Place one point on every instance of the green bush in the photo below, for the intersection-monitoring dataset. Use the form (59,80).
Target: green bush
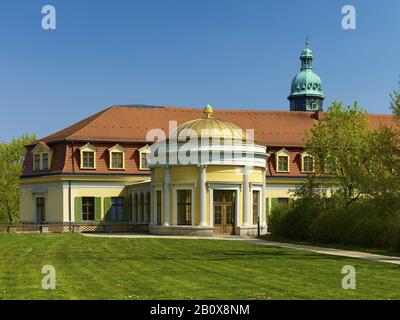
(291,222)
(362,224)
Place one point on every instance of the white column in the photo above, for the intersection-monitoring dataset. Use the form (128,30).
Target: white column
(246,195)
(202,190)
(153,218)
(166,197)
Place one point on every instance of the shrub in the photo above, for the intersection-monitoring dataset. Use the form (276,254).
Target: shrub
(292,222)
(361,224)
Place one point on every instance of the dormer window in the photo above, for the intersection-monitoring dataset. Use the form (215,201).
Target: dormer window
(143,158)
(283,161)
(88,156)
(329,165)
(36,164)
(307,163)
(45,161)
(42,155)
(117,157)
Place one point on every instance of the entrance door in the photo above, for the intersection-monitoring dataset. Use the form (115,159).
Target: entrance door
(224,211)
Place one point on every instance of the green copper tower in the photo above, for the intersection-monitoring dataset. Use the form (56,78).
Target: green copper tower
(306,91)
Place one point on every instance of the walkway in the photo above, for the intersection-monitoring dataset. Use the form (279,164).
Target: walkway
(322,250)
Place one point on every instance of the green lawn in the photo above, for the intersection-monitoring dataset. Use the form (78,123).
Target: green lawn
(381,251)
(105,268)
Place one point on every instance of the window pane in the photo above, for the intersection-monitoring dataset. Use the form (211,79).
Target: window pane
(117,160)
(88,209)
(37,162)
(184,199)
(283,163)
(45,161)
(141,208)
(283,201)
(159,207)
(117,209)
(144,163)
(308,163)
(88,159)
(218,215)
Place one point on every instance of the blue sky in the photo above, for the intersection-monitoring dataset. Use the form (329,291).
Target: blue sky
(230,53)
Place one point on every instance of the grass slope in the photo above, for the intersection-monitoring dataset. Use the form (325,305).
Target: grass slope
(104,268)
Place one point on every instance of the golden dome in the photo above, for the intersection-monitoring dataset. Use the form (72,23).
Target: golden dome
(210,127)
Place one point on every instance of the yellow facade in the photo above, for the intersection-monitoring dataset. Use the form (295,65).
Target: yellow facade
(59,194)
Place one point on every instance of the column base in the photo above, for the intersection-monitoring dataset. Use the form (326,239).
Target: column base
(250,231)
(182,230)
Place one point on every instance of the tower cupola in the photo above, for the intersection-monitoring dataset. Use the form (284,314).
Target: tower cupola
(306,91)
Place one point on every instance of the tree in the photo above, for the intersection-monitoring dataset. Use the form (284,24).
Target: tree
(382,181)
(338,144)
(395,102)
(12,157)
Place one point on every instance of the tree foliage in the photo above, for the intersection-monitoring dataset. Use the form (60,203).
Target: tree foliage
(338,144)
(12,155)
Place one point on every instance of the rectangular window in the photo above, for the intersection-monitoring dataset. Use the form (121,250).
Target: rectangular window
(283,201)
(256,206)
(87,209)
(130,207)
(40,210)
(283,163)
(117,160)
(117,209)
(144,165)
(159,207)
(184,205)
(45,161)
(308,164)
(36,165)
(329,165)
(88,159)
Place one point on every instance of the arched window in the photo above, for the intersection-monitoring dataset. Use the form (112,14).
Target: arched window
(141,208)
(148,207)
(135,208)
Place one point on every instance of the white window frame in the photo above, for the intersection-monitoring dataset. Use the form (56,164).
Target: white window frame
(145,150)
(87,148)
(116,149)
(175,189)
(41,149)
(282,153)
(304,155)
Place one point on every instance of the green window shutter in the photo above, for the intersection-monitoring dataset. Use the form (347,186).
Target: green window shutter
(267,206)
(107,209)
(78,209)
(274,203)
(97,209)
(126,209)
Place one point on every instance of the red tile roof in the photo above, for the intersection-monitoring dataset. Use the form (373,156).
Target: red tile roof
(131,123)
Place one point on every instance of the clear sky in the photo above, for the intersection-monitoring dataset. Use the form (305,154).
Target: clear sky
(233,54)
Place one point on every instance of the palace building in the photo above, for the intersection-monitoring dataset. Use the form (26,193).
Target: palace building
(97,175)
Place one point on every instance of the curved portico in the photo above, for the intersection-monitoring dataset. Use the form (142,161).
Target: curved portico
(208,178)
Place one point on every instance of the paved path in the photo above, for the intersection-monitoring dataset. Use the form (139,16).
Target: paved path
(322,250)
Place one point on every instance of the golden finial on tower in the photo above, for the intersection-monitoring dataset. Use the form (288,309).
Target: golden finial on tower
(208,111)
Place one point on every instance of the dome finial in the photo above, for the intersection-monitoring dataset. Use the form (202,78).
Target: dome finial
(307,42)
(208,111)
